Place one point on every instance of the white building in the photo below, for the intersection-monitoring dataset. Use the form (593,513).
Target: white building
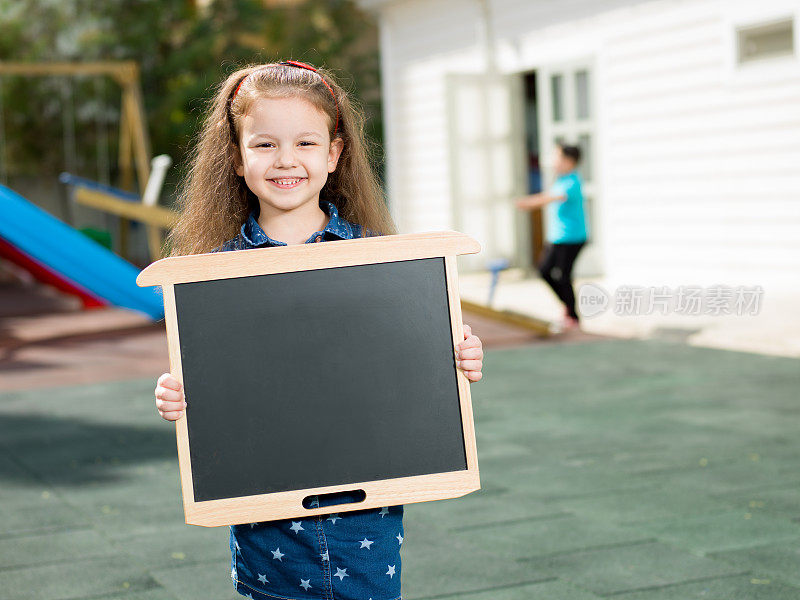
(688,113)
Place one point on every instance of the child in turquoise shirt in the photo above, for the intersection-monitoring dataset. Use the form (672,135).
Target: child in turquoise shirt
(566,228)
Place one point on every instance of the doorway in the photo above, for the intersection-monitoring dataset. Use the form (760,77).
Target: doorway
(534,170)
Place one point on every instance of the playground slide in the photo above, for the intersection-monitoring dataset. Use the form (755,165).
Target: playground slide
(61,256)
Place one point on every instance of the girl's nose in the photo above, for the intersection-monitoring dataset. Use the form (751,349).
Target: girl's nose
(285,156)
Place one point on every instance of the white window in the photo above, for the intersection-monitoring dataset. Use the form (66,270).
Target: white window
(766,40)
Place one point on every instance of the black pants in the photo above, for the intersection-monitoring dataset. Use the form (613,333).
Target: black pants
(556,270)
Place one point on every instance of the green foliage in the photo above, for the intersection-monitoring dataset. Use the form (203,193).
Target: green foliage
(183,50)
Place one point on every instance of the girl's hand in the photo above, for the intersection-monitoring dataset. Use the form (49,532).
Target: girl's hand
(469,355)
(169,397)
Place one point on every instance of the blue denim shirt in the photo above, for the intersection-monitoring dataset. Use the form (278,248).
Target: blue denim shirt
(347,556)
(252,236)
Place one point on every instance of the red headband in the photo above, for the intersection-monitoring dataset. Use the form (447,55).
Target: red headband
(301,65)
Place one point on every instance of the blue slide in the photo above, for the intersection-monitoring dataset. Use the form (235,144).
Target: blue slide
(73,256)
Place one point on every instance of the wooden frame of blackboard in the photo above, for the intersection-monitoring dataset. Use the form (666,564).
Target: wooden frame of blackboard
(302,257)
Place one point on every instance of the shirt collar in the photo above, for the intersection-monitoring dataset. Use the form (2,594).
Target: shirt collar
(337,228)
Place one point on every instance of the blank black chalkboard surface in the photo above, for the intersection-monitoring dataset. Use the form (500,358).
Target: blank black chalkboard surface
(316,369)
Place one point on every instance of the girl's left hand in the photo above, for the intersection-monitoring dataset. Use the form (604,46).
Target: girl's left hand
(469,355)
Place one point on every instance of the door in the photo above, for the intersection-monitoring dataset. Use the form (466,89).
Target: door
(567,113)
(487,164)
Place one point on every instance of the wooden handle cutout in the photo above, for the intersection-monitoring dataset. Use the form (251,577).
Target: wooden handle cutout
(361,495)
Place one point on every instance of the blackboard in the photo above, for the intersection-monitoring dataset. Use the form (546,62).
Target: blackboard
(317,380)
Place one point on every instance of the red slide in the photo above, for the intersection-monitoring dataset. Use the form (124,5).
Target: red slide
(48,276)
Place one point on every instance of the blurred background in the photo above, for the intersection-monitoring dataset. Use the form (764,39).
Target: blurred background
(649,454)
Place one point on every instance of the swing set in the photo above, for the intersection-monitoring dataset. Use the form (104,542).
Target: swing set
(134,151)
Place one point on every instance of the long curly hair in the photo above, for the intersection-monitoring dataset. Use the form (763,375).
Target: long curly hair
(214,202)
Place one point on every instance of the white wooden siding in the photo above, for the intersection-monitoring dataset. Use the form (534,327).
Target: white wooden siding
(701,170)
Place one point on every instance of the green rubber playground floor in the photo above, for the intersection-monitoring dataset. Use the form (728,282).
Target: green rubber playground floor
(642,470)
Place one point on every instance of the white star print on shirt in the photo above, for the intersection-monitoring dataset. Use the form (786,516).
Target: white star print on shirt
(341,573)
(399,539)
(324,555)
(304,583)
(334,517)
(277,554)
(296,526)
(390,572)
(365,543)
(262,578)
(384,511)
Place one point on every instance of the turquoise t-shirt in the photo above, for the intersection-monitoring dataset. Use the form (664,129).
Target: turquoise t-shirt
(566,220)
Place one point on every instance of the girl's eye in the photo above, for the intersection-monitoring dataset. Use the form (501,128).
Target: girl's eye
(262,144)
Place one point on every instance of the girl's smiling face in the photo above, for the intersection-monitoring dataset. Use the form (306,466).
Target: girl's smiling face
(286,153)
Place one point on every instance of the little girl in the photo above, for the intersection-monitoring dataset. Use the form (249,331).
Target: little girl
(282,159)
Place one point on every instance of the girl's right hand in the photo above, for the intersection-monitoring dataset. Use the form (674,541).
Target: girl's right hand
(169,397)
